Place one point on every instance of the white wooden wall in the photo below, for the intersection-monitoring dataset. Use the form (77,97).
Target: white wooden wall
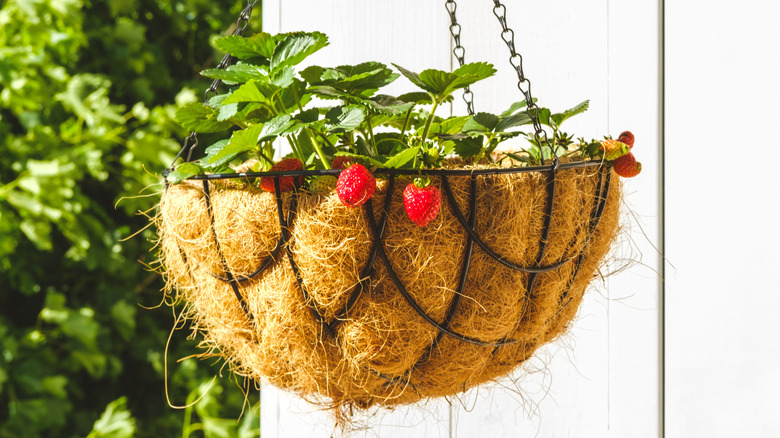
(695,81)
(722,216)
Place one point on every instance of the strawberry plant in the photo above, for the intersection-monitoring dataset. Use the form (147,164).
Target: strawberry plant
(332,116)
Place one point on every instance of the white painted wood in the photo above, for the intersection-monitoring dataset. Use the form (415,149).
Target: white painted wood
(602,379)
(722,237)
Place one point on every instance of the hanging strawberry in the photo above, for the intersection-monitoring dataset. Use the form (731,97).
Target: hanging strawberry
(627,166)
(355,185)
(422,201)
(286,183)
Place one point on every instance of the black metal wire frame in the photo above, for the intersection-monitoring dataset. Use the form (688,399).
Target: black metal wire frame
(378,247)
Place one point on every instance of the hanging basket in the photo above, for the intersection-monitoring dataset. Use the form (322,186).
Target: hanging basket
(363,307)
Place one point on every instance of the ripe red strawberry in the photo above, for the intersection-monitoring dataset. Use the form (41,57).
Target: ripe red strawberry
(627,166)
(628,138)
(422,204)
(355,185)
(613,149)
(286,183)
(341,162)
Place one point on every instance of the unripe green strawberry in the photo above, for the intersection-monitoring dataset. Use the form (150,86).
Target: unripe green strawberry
(286,183)
(627,166)
(422,204)
(628,138)
(614,149)
(355,185)
(322,185)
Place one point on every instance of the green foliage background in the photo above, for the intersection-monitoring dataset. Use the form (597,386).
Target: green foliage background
(87,95)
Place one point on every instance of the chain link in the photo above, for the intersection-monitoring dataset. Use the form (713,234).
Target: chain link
(459,52)
(523,84)
(191,142)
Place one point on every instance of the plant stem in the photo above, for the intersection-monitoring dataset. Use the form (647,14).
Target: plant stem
(371,131)
(317,148)
(295,148)
(430,119)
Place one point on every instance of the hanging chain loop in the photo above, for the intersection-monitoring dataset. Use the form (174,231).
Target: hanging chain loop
(459,52)
(523,83)
(191,142)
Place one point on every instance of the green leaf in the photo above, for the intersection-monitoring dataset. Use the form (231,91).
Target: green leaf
(469,147)
(184,171)
(200,118)
(389,105)
(412,76)
(442,84)
(362,79)
(518,119)
(403,157)
(252,91)
(481,122)
(514,107)
(123,313)
(344,118)
(328,92)
(115,422)
(577,109)
(275,127)
(237,73)
(209,160)
(259,45)
(361,159)
(241,141)
(295,47)
(283,77)
(226,112)
(310,115)
(417,97)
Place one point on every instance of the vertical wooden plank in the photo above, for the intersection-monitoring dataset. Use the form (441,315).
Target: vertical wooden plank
(723,338)
(634,295)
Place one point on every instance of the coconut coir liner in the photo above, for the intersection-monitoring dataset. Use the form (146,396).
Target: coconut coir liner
(384,352)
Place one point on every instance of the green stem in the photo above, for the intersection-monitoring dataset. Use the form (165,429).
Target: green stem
(317,148)
(372,142)
(295,148)
(430,119)
(406,122)
(325,139)
(264,156)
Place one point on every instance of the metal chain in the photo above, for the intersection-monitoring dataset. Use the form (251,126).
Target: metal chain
(459,51)
(523,84)
(191,142)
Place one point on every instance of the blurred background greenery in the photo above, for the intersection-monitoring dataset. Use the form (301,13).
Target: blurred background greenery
(87,94)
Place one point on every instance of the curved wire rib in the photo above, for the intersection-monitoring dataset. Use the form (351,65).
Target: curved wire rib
(602,191)
(551,179)
(285,232)
(364,277)
(467,253)
(478,240)
(414,305)
(223,261)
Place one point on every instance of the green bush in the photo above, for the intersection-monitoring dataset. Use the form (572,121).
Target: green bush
(87,95)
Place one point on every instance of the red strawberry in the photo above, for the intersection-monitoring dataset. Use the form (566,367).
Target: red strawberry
(627,166)
(355,185)
(286,183)
(628,138)
(613,149)
(341,162)
(422,203)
